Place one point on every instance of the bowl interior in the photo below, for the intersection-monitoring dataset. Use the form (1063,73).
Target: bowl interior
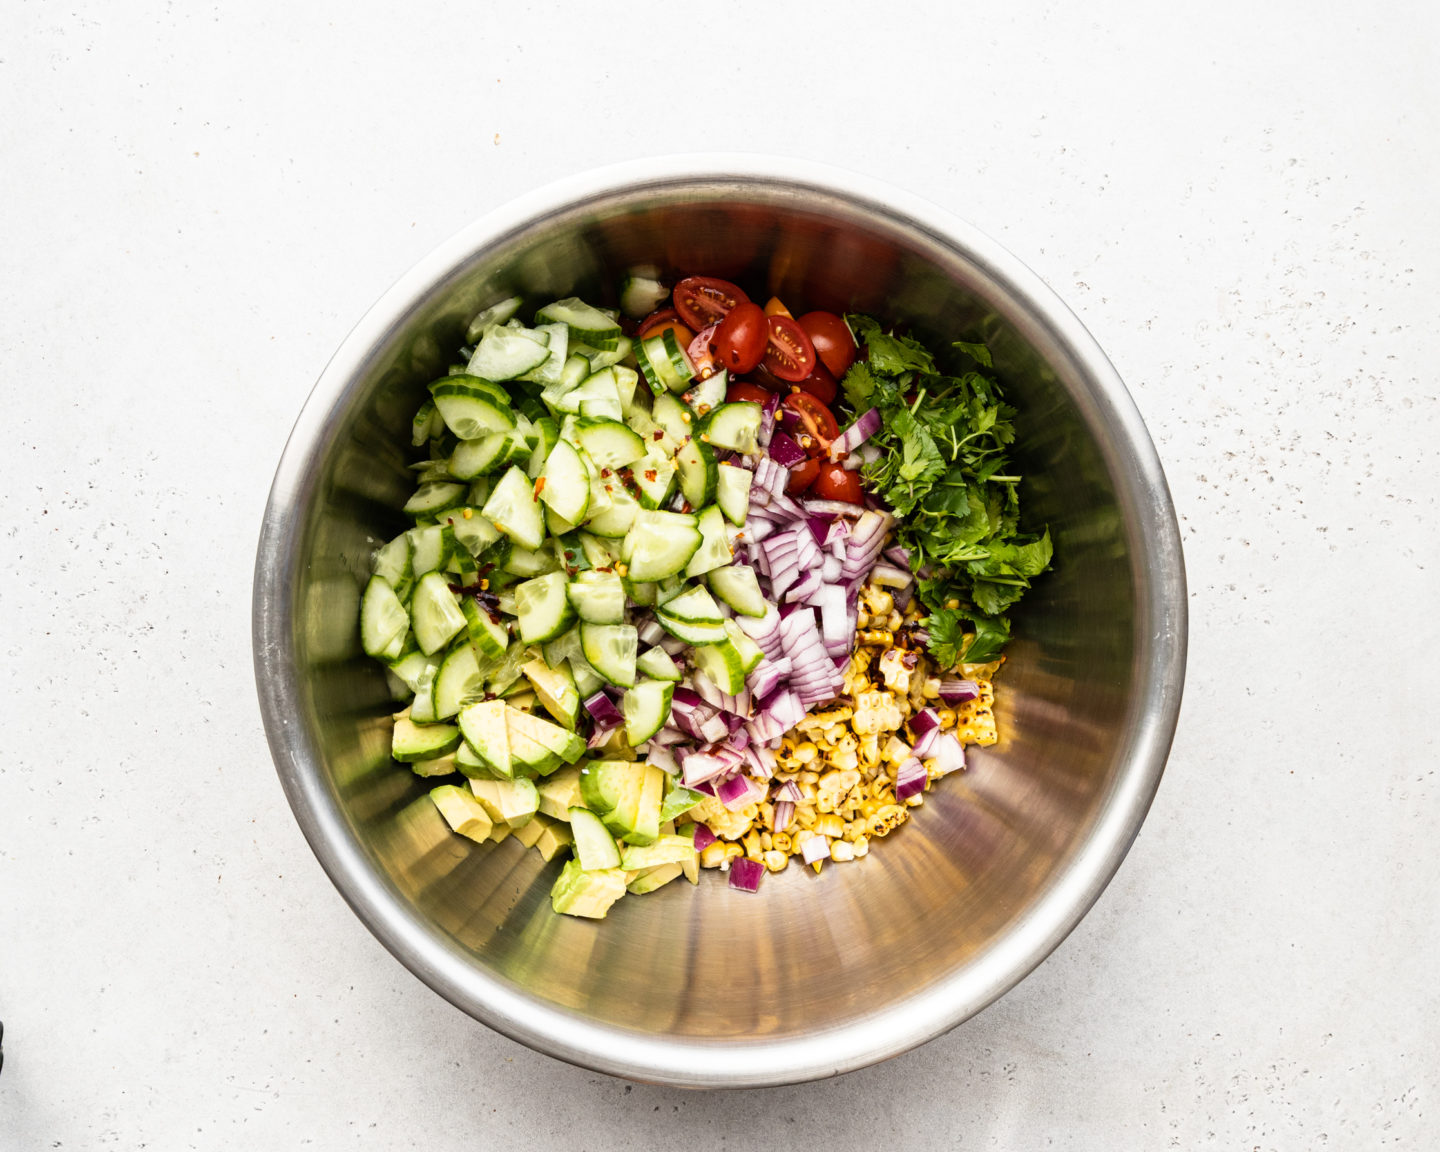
(816,973)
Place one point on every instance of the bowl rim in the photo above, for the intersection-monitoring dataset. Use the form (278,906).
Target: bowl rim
(1161,631)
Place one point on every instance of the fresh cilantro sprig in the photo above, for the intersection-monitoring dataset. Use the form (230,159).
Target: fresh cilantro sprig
(943,468)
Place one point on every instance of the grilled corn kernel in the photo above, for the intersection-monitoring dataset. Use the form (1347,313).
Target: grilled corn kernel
(831,826)
(780,842)
(776,861)
(713,854)
(840,851)
(751,841)
(885,821)
(766,841)
(809,776)
(877,637)
(805,819)
(806,752)
(733,850)
(947,717)
(861,846)
(916,800)
(931,688)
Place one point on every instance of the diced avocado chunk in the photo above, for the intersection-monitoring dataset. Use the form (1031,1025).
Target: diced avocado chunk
(530,832)
(603,783)
(646,825)
(568,746)
(465,814)
(679,799)
(560,793)
(554,839)
(650,879)
(669,849)
(594,846)
(513,801)
(590,894)
(485,729)
(555,689)
(410,742)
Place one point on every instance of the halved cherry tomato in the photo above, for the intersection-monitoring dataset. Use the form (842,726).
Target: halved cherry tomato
(831,337)
(740,390)
(655,319)
(789,354)
(816,422)
(801,477)
(703,300)
(773,307)
(836,483)
(683,335)
(820,384)
(740,339)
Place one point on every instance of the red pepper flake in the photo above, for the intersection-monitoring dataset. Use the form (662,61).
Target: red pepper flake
(605,473)
(658,434)
(650,474)
(539,485)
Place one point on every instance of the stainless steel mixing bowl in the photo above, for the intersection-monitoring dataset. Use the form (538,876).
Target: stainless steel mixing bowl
(815,975)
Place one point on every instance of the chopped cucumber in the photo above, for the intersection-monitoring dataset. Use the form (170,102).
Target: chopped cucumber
(459,681)
(704,396)
(723,663)
(694,606)
(611,650)
(472,412)
(433,498)
(384,623)
(487,318)
(548,432)
(714,551)
(698,472)
(642,291)
(657,664)
(646,708)
(564,484)
(659,544)
(598,597)
(655,478)
(751,654)
(507,354)
(435,613)
(595,848)
(609,443)
(671,416)
(619,518)
(738,586)
(664,363)
(734,427)
(392,560)
(490,636)
(689,631)
(587,325)
(542,608)
(732,492)
(429,549)
(514,509)
(552,367)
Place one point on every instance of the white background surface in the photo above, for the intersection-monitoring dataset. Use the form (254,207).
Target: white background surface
(200,199)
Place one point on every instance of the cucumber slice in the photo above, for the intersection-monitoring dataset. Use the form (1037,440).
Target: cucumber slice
(664,363)
(657,664)
(515,511)
(466,383)
(672,417)
(507,672)
(552,367)
(704,396)
(750,652)
(655,478)
(384,623)
(523,562)
(548,431)
(435,613)
(432,499)
(487,318)
(642,291)
(617,519)
(471,412)
(597,597)
(392,560)
(699,473)
(646,707)
(555,689)
(507,354)
(542,608)
(598,388)
(587,325)
(734,427)
(564,485)
(659,544)
(738,586)
(414,667)
(714,551)
(474,458)
(694,606)
(429,549)
(609,443)
(420,427)
(609,357)
(472,531)
(690,632)
(490,637)
(557,525)
(485,731)
(723,663)
(595,848)
(599,552)
(411,741)
(732,492)
(458,682)
(611,649)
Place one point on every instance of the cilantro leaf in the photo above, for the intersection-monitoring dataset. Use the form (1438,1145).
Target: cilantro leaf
(947,636)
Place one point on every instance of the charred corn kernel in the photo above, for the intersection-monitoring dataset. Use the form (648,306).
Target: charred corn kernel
(780,842)
(713,854)
(885,821)
(776,861)
(947,717)
(877,637)
(916,800)
(831,826)
(751,841)
(467,513)
(896,750)
(932,768)
(931,688)
(893,621)
(733,850)
(868,808)
(862,619)
(861,846)
(809,776)
(854,828)
(805,819)
(766,841)
(840,851)
(806,752)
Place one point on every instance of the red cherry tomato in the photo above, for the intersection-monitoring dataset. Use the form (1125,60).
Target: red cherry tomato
(654,320)
(833,343)
(816,422)
(789,354)
(741,391)
(801,477)
(836,483)
(740,339)
(820,384)
(703,300)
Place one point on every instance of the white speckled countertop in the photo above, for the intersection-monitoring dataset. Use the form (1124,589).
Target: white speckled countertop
(199,201)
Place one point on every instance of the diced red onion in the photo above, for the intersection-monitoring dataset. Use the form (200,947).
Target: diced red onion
(816,848)
(701,767)
(673,645)
(668,738)
(865,426)
(784,813)
(830,509)
(651,633)
(959,691)
(703,837)
(910,779)
(734,793)
(830,569)
(789,791)
(662,758)
(948,754)
(805,587)
(714,729)
(926,720)
(745,874)
(603,711)
(898,556)
(784,451)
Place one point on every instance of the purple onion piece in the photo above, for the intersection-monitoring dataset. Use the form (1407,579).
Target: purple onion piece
(958,691)
(745,874)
